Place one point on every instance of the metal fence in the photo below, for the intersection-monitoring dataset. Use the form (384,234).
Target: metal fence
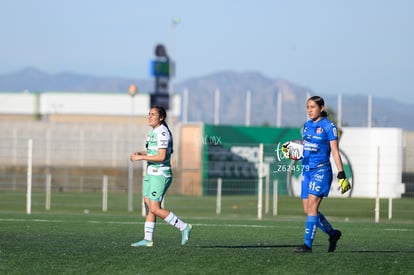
(78,152)
(76,157)
(82,158)
(69,144)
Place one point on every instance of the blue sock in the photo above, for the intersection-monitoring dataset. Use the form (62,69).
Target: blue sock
(310,229)
(324,225)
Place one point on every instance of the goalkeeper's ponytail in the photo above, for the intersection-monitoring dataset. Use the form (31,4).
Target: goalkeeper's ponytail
(320,102)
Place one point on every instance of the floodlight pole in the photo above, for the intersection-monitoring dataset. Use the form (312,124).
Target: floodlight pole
(132,91)
(248,108)
(174,22)
(339,115)
(279,109)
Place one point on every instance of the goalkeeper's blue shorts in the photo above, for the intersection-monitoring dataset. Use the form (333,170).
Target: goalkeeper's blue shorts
(316,181)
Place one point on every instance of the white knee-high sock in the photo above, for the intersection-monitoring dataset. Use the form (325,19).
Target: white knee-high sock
(149,228)
(173,220)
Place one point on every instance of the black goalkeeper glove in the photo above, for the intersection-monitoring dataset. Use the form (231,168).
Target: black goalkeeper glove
(343,182)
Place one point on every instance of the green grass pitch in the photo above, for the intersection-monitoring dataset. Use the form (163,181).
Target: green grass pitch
(65,240)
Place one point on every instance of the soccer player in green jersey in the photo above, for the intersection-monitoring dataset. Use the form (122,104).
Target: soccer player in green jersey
(158,178)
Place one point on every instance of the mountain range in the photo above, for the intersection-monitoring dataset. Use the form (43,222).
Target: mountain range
(233,88)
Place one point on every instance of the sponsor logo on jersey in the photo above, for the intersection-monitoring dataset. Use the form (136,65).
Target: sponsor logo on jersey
(319,177)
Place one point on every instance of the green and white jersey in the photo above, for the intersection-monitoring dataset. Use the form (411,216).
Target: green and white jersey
(159,138)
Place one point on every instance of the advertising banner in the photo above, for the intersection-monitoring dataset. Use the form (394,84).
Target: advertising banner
(232,154)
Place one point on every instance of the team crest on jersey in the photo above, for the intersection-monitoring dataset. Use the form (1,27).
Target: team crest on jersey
(151,137)
(319,130)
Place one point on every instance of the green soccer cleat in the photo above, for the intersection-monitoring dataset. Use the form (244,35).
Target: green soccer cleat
(143,243)
(186,234)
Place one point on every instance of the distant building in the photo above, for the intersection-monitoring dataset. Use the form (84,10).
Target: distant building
(78,107)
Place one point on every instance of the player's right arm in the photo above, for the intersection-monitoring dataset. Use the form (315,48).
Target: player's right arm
(159,157)
(136,155)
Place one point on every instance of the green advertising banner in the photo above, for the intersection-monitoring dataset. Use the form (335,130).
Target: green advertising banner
(232,154)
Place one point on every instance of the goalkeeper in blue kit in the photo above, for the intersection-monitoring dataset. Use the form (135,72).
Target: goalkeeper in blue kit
(320,140)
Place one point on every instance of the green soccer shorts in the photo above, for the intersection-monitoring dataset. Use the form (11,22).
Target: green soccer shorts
(155,186)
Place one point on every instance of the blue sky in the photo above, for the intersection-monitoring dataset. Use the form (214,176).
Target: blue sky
(332,47)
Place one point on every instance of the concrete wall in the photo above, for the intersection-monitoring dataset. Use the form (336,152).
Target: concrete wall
(376,155)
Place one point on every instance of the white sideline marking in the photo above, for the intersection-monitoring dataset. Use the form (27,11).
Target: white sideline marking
(113,222)
(134,223)
(29,220)
(195,224)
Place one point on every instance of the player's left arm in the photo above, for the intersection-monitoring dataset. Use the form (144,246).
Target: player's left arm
(343,182)
(335,154)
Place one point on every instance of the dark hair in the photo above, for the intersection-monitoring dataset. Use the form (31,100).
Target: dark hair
(163,114)
(320,102)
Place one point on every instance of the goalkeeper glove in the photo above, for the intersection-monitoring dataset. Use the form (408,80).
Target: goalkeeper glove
(285,148)
(343,182)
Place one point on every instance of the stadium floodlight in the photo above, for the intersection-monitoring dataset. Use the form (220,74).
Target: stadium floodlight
(132,91)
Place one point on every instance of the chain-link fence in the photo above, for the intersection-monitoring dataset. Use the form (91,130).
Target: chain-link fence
(77,158)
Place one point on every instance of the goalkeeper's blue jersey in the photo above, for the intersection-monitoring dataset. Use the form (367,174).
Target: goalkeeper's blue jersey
(316,142)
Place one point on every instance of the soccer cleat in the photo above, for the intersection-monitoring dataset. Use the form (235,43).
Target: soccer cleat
(333,240)
(303,249)
(143,243)
(186,234)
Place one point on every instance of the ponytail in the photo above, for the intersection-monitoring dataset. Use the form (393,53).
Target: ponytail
(169,131)
(163,114)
